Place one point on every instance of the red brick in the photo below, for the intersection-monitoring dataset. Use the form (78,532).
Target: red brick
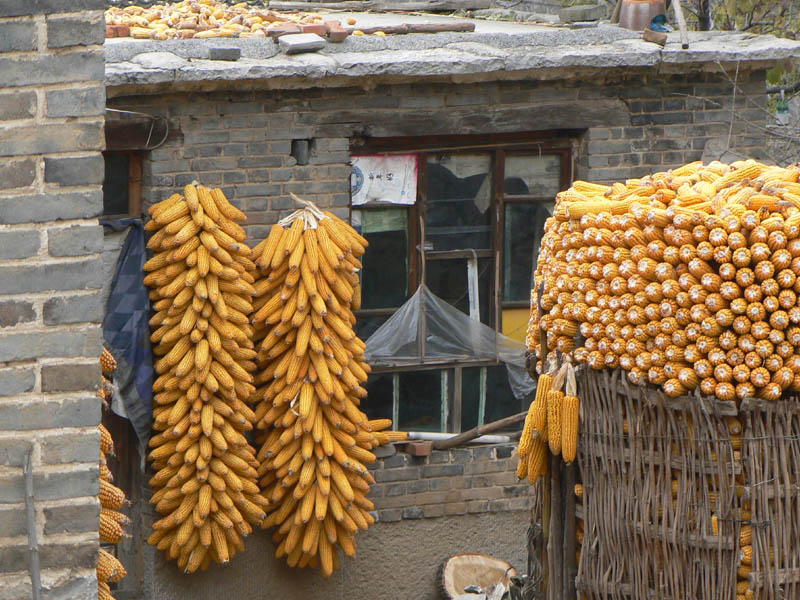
(420,448)
(122,30)
(318,28)
(336,33)
(283,29)
(110,31)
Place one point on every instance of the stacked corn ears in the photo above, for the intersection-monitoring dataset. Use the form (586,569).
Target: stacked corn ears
(686,279)
(112,522)
(316,443)
(205,484)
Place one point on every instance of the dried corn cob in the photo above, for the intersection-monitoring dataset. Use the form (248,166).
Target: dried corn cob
(316,442)
(205,468)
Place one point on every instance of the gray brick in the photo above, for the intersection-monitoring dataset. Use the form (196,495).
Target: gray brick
(413,512)
(16,380)
(55,485)
(70,447)
(249,162)
(416,487)
(433,511)
(258,189)
(72,377)
(461,455)
(390,515)
(72,412)
(75,30)
(80,102)
(213,164)
(407,474)
(467,99)
(19,173)
(483,453)
(18,243)
(13,452)
(504,451)
(478,506)
(70,586)
(398,460)
(72,555)
(83,170)
(484,467)
(442,470)
(440,483)
(395,489)
(75,240)
(46,344)
(46,139)
(12,522)
(74,518)
(17,105)
(13,312)
(73,309)
(13,558)
(455,508)
(85,274)
(18,8)
(59,68)
(20,35)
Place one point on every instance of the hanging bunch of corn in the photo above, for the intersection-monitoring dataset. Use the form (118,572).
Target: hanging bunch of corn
(686,279)
(206,482)
(112,499)
(108,364)
(311,367)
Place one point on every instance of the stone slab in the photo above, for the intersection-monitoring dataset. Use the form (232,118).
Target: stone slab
(297,43)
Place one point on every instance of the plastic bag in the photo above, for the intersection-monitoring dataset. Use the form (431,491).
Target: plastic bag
(449,334)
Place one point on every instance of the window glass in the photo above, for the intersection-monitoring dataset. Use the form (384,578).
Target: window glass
(367,325)
(470,397)
(459,201)
(384,277)
(378,404)
(115,185)
(500,401)
(447,278)
(420,401)
(532,175)
(523,229)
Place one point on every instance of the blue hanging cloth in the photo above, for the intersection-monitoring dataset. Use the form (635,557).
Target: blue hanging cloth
(126,329)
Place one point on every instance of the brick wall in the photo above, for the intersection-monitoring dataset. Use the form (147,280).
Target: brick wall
(241,140)
(461,481)
(51,129)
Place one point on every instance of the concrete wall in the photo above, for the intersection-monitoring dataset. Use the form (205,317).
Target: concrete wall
(395,561)
(632,125)
(51,130)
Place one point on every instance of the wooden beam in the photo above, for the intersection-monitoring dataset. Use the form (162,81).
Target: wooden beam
(382,5)
(138,133)
(476,432)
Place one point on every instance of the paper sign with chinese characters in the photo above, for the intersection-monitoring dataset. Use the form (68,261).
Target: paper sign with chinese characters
(385,178)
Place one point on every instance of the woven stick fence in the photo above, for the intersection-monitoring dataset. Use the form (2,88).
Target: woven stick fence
(669,495)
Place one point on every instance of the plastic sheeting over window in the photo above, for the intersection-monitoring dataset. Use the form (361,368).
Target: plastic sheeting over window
(449,335)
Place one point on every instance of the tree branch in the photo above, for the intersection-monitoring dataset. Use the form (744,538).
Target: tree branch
(789,87)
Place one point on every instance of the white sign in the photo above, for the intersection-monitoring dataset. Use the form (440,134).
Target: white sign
(385,178)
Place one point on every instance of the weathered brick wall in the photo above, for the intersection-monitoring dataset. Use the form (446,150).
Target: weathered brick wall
(51,131)
(460,481)
(241,140)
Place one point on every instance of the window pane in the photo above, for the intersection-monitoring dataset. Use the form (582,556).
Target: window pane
(470,397)
(420,401)
(115,185)
(378,404)
(384,277)
(500,401)
(522,235)
(366,326)
(447,278)
(532,175)
(459,201)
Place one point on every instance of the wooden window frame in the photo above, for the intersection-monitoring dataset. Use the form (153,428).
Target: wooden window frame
(134,184)
(545,143)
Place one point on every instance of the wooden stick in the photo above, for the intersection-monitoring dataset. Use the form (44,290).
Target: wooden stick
(416,28)
(615,15)
(476,432)
(681,23)
(555,546)
(570,568)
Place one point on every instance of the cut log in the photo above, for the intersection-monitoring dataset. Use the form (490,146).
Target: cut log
(462,570)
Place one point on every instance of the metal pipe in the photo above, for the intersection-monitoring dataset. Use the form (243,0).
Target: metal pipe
(432,436)
(30,513)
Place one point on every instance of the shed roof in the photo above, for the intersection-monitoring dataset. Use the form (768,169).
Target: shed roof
(495,50)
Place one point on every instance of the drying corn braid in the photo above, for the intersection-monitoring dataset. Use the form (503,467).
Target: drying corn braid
(316,441)
(205,486)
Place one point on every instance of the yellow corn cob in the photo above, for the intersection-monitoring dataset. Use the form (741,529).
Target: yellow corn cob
(569,427)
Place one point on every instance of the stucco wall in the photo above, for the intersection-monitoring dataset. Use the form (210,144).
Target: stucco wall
(395,561)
